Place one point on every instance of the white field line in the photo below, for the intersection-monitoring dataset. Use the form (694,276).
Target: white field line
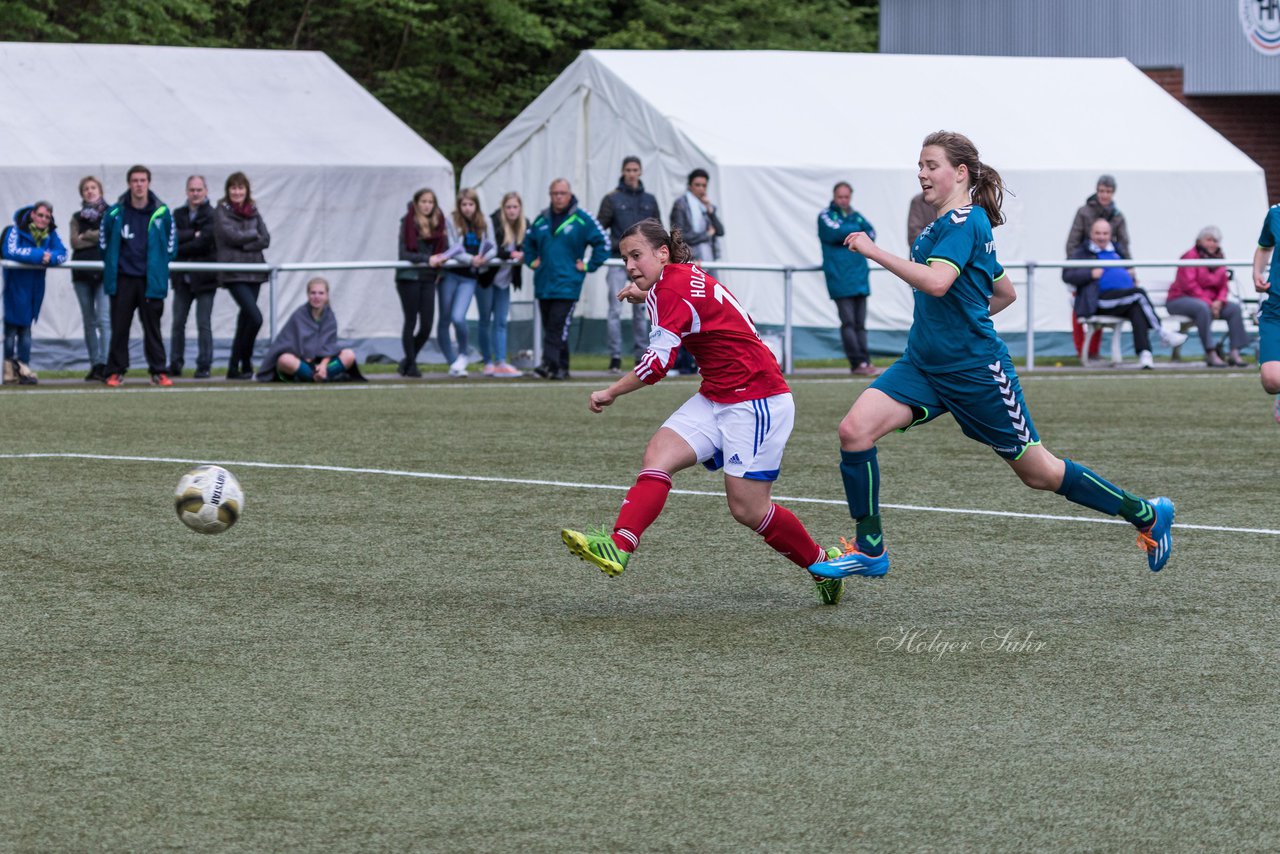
(477,383)
(964,511)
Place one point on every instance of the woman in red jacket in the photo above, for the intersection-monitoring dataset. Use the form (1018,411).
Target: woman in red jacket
(1200,293)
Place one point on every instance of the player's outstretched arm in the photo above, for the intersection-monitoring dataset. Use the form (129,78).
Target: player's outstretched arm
(626,384)
(934,279)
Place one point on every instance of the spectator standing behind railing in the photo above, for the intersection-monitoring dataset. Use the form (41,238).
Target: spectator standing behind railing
(696,217)
(622,208)
(847,274)
(241,236)
(95,310)
(422,235)
(194,222)
(553,248)
(469,242)
(1200,293)
(1112,291)
(138,240)
(1269,311)
(306,348)
(32,239)
(1101,205)
(493,294)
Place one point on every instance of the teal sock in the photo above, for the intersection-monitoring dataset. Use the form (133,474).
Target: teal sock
(1081,486)
(336,369)
(305,374)
(861,475)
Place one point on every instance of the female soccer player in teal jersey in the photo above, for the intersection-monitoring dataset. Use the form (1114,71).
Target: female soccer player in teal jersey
(1269,313)
(956,363)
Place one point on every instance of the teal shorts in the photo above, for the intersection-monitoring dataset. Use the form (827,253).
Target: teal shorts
(1269,337)
(985,401)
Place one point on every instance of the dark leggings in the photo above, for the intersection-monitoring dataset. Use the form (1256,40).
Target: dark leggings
(418,300)
(248,322)
(853,329)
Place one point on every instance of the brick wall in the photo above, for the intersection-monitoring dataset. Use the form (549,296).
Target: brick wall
(1251,122)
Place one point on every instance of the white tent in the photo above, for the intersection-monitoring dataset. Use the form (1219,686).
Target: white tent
(777,130)
(332,169)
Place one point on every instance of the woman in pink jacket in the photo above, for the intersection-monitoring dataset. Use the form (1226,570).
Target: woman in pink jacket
(1200,293)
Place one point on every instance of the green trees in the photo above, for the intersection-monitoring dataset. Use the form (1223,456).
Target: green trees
(454,71)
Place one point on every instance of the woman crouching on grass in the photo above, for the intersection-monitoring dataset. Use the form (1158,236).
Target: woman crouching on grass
(306,349)
(956,363)
(740,418)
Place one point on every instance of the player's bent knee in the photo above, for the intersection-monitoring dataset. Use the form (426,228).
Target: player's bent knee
(854,436)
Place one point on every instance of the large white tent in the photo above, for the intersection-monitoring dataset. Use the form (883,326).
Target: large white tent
(332,169)
(776,130)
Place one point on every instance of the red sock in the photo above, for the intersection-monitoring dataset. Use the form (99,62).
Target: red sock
(787,536)
(641,506)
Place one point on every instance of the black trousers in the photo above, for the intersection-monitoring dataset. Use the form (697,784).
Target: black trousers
(248,322)
(418,301)
(853,329)
(557,317)
(130,297)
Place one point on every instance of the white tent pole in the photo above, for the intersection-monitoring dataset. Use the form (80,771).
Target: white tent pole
(786,319)
(1031,315)
(271,299)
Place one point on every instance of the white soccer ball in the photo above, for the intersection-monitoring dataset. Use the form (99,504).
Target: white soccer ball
(209,499)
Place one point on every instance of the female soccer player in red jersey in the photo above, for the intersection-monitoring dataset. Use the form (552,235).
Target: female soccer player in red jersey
(739,419)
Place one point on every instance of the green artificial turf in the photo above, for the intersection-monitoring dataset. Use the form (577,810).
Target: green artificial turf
(375,661)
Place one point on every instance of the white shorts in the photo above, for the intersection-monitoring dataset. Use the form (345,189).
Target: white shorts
(746,438)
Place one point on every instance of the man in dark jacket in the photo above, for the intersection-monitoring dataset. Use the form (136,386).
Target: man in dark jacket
(138,241)
(194,223)
(620,210)
(553,248)
(1101,205)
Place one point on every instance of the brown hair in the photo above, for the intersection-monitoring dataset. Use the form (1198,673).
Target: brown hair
(238,179)
(427,224)
(89,179)
(986,187)
(656,236)
(477,223)
(512,233)
(138,169)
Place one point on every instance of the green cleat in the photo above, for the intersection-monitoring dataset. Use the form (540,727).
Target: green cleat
(597,547)
(829,589)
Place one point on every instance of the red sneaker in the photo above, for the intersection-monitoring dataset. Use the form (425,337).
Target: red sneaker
(161,380)
(114,381)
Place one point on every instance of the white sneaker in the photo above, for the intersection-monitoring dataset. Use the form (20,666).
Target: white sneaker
(1146,362)
(1172,339)
(490,369)
(459,367)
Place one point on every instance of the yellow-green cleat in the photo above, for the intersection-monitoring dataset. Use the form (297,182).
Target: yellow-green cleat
(597,548)
(829,589)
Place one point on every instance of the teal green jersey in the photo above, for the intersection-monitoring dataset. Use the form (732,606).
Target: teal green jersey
(1267,240)
(954,331)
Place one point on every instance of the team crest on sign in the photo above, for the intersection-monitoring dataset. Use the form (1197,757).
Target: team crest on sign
(1260,20)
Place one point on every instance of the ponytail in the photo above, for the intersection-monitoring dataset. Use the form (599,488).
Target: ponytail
(987,190)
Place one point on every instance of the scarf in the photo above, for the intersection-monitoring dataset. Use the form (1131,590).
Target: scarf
(1201,252)
(39,234)
(697,213)
(91,213)
(245,209)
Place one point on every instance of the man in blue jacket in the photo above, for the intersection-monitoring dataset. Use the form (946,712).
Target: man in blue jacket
(32,239)
(554,246)
(138,241)
(848,277)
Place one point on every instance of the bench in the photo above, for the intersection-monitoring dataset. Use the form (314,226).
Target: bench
(1159,294)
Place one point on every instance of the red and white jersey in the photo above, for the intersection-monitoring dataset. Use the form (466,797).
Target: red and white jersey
(688,308)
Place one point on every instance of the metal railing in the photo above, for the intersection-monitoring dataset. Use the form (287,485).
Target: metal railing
(788,272)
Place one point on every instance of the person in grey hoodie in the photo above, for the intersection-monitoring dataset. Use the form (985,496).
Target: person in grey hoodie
(621,209)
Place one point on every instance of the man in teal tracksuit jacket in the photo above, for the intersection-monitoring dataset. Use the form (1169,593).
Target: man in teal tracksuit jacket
(553,247)
(848,278)
(138,240)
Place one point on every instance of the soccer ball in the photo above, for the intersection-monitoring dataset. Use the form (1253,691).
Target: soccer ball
(208,499)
